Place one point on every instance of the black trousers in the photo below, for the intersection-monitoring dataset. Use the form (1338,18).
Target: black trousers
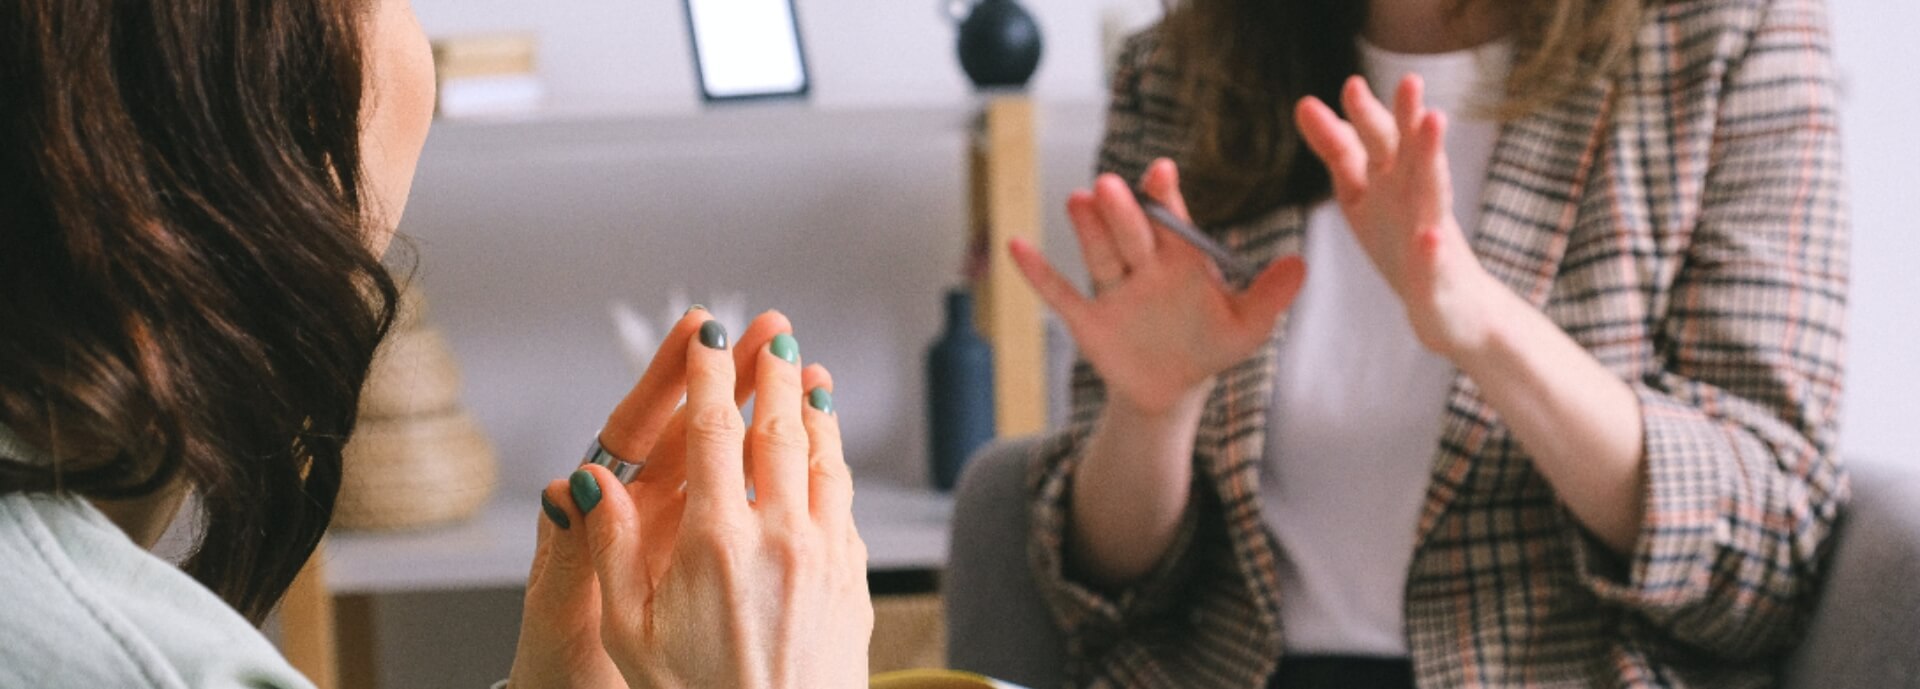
(1342,672)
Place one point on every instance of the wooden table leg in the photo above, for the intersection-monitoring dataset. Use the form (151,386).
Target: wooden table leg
(359,659)
(306,625)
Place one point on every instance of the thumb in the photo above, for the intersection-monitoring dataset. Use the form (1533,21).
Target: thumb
(1271,293)
(560,551)
(613,533)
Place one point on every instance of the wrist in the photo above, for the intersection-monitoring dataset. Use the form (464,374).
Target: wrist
(1180,411)
(1486,326)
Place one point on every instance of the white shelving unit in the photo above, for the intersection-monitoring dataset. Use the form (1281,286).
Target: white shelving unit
(905,529)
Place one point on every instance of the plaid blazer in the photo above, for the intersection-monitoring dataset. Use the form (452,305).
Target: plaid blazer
(1683,219)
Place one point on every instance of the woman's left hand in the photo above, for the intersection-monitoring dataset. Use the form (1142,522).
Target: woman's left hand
(1390,178)
(560,642)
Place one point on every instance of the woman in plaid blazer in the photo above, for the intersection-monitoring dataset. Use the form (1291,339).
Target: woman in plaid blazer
(1634,484)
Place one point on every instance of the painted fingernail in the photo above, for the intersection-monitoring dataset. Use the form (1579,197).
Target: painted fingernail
(821,399)
(785,347)
(586,491)
(695,307)
(554,513)
(713,335)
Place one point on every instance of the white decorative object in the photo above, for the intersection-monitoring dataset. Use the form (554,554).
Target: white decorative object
(640,338)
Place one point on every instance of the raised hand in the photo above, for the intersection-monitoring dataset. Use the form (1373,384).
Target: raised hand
(754,594)
(560,640)
(1390,178)
(1162,321)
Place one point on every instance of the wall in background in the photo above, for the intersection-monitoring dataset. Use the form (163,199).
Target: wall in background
(634,55)
(629,56)
(1878,56)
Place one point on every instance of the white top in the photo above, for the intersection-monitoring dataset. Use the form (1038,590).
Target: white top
(87,607)
(1358,403)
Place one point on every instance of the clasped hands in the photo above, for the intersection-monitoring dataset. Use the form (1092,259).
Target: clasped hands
(679,579)
(1162,321)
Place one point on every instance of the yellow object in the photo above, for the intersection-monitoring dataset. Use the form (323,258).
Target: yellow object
(934,679)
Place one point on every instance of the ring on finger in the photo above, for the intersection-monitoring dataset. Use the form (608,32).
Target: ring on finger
(622,469)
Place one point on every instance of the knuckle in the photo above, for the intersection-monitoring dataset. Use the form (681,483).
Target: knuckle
(780,433)
(723,541)
(715,423)
(797,548)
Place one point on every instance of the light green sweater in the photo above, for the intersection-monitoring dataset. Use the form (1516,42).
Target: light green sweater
(82,607)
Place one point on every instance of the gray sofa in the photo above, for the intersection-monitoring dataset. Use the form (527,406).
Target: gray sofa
(1865,634)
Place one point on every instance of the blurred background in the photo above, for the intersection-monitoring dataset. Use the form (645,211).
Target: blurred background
(848,210)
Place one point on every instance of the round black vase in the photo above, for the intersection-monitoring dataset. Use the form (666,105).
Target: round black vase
(999,44)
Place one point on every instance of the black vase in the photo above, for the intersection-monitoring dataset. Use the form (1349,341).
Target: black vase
(960,414)
(999,43)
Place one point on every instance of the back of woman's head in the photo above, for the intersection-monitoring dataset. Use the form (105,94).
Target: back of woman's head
(187,291)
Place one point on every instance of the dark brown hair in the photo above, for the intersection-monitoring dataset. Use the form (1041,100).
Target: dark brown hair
(1244,64)
(186,286)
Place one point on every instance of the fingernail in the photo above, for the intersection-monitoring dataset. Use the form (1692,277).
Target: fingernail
(785,347)
(821,399)
(586,491)
(695,307)
(554,513)
(713,335)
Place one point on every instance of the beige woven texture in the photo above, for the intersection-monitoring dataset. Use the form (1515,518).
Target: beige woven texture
(908,632)
(417,458)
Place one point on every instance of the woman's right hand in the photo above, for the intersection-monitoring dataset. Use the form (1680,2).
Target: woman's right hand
(761,593)
(1162,321)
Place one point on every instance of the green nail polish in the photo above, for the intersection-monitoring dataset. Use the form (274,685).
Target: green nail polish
(713,335)
(554,513)
(821,400)
(785,347)
(586,491)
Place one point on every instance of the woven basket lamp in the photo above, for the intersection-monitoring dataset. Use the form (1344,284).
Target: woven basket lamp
(417,459)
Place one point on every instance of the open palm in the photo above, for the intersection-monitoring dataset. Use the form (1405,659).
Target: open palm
(1390,178)
(1162,321)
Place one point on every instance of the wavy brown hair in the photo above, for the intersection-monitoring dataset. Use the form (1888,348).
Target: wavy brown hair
(1245,63)
(187,292)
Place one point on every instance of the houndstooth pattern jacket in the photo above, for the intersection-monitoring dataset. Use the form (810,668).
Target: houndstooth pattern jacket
(1683,219)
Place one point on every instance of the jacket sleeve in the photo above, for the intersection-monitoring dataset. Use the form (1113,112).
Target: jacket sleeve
(1742,486)
(1091,617)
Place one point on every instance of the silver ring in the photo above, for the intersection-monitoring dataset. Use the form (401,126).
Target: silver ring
(622,469)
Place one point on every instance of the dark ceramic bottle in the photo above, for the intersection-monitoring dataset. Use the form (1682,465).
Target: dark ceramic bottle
(959,392)
(1000,42)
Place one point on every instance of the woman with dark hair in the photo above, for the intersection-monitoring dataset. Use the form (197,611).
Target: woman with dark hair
(1556,405)
(194,199)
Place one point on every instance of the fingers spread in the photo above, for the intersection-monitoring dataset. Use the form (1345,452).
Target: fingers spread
(1271,293)
(1097,247)
(1372,122)
(636,423)
(1408,105)
(1336,144)
(778,438)
(716,481)
(829,480)
(1114,200)
(613,531)
(1427,162)
(1052,288)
